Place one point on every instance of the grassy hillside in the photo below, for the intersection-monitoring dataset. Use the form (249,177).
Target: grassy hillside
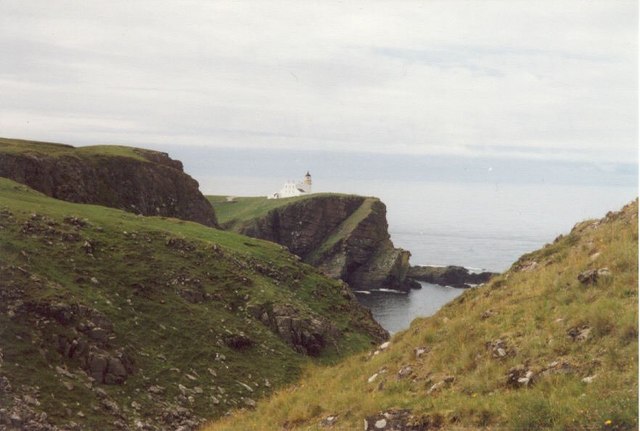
(174,303)
(21,146)
(546,345)
(233,211)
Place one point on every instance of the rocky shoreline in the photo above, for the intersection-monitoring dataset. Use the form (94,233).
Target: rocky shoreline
(452,275)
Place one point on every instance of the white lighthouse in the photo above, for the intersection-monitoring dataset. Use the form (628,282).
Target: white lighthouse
(292,189)
(307,182)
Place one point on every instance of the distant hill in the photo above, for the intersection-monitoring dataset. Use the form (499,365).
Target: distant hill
(550,344)
(109,320)
(132,179)
(346,236)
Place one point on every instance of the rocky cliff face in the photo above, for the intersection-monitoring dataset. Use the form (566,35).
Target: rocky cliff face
(135,180)
(345,236)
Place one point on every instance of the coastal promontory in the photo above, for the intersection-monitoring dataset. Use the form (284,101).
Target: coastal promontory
(346,236)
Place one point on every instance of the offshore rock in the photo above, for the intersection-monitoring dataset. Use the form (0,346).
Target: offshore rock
(454,276)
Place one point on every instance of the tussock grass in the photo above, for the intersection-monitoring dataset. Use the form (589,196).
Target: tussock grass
(533,312)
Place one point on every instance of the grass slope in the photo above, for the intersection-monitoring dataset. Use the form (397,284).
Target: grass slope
(21,146)
(233,211)
(452,370)
(142,274)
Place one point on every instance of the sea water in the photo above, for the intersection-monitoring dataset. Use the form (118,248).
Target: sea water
(479,226)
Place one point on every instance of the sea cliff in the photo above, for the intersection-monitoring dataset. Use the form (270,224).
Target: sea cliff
(131,179)
(345,236)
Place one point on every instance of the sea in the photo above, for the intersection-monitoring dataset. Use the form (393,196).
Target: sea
(484,227)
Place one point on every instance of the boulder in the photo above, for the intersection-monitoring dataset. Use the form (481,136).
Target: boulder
(401,420)
(592,276)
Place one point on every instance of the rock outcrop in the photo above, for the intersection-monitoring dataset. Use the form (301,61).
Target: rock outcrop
(454,276)
(344,235)
(140,181)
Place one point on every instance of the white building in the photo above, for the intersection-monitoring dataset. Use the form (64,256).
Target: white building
(292,188)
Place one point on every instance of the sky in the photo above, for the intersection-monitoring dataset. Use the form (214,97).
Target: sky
(545,89)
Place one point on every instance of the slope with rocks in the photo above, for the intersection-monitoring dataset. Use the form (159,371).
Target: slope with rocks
(344,235)
(109,320)
(550,344)
(132,179)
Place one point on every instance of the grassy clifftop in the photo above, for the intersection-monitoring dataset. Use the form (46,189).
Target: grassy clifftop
(550,344)
(110,320)
(21,146)
(234,211)
(132,179)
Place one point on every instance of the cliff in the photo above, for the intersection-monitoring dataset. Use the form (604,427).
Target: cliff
(113,321)
(140,181)
(550,344)
(344,235)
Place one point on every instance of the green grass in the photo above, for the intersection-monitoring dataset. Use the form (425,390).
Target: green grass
(532,312)
(233,210)
(143,287)
(20,146)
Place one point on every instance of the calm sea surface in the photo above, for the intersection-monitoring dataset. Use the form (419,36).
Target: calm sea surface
(395,311)
(478,226)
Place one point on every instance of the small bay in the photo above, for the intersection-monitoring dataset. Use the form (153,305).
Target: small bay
(395,311)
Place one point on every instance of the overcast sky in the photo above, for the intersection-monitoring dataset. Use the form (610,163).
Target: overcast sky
(531,79)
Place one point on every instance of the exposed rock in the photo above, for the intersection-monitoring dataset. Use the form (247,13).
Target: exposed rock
(446,381)
(520,376)
(401,420)
(405,371)
(487,313)
(420,351)
(345,236)
(107,369)
(238,341)
(249,402)
(525,266)
(580,333)
(592,276)
(454,276)
(499,349)
(557,367)
(151,184)
(329,421)
(310,334)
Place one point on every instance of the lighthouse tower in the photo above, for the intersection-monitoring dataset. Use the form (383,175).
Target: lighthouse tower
(307,182)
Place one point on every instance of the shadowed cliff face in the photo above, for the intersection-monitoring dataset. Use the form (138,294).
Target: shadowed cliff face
(345,236)
(149,183)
